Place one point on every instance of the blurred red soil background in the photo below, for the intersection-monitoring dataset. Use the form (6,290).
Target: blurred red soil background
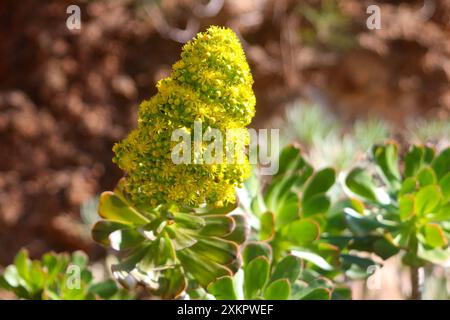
(67,96)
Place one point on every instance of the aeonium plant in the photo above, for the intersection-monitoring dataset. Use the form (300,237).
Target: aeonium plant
(407,203)
(291,213)
(170,220)
(56,277)
(262,278)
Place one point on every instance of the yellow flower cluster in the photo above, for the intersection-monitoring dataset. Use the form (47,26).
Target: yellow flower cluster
(211,83)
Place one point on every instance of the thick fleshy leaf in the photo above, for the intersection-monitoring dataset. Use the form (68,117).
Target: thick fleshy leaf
(184,238)
(241,229)
(105,289)
(125,239)
(415,158)
(103,228)
(357,267)
(362,225)
(287,210)
(445,186)
(427,200)
(313,258)
(384,248)
(317,294)
(290,160)
(321,182)
(201,268)
(216,249)
(434,235)
(317,204)
(386,156)
(443,214)
(278,290)
(406,207)
(223,289)
(289,268)
(253,250)
(217,225)
(23,264)
(441,164)
(267,230)
(409,185)
(426,177)
(213,210)
(113,208)
(189,220)
(172,284)
(361,184)
(256,276)
(302,232)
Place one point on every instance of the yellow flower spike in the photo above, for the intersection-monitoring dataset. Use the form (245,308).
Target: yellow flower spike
(212,82)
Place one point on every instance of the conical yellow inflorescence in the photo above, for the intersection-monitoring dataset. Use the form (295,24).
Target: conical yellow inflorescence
(211,83)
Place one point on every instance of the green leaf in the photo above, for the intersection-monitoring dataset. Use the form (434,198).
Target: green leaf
(406,207)
(113,208)
(267,230)
(287,210)
(189,220)
(441,163)
(386,157)
(278,290)
(217,225)
(434,235)
(313,258)
(105,289)
(359,224)
(361,184)
(317,294)
(427,200)
(218,250)
(11,276)
(103,228)
(125,239)
(321,182)
(287,268)
(444,183)
(301,232)
(408,186)
(290,160)
(201,268)
(172,284)
(256,276)
(317,204)
(443,213)
(256,249)
(384,248)
(223,289)
(415,158)
(241,229)
(426,177)
(23,264)
(37,277)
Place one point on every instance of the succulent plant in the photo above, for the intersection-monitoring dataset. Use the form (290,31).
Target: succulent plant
(56,277)
(406,205)
(291,211)
(410,208)
(261,278)
(165,247)
(174,222)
